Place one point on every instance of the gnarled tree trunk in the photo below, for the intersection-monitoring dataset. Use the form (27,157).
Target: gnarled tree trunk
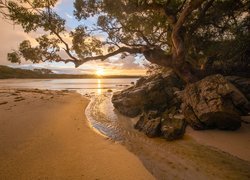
(177,59)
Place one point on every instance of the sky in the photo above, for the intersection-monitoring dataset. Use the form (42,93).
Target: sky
(11,36)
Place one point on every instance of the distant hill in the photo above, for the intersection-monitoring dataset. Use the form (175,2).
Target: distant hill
(8,73)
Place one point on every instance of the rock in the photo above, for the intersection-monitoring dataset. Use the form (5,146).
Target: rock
(242,83)
(155,124)
(128,103)
(150,124)
(213,102)
(140,81)
(152,93)
(109,90)
(172,128)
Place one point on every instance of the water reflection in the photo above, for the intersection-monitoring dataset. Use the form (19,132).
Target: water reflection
(84,86)
(99,86)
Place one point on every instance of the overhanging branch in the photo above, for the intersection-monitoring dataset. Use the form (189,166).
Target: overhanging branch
(79,62)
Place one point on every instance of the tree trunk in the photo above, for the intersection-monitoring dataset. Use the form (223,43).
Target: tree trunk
(181,66)
(158,56)
(177,60)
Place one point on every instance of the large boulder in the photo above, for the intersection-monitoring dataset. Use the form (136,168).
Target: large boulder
(213,102)
(242,83)
(154,124)
(152,93)
(172,127)
(150,124)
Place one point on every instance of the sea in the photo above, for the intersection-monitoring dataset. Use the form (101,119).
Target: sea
(82,86)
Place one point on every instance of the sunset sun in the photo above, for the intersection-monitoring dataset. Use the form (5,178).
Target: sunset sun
(100,72)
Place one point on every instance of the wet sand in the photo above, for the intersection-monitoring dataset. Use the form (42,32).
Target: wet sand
(45,135)
(188,158)
(236,143)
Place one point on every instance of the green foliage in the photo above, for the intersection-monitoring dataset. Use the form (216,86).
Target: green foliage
(21,15)
(85,45)
(225,23)
(218,28)
(43,71)
(14,57)
(91,8)
(8,72)
(30,53)
(140,22)
(49,47)
(42,3)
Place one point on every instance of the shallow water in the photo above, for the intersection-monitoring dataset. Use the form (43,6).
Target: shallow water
(182,159)
(83,86)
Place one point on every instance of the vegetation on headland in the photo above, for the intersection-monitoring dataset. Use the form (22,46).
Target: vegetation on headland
(8,73)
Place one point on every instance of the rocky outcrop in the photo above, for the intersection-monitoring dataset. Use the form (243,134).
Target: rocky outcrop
(153,93)
(243,84)
(173,127)
(154,124)
(153,96)
(150,124)
(213,102)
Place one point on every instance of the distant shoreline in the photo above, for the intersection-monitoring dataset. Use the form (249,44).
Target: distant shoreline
(103,77)
(17,73)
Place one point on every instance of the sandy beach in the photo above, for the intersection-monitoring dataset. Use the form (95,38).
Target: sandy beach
(45,135)
(236,143)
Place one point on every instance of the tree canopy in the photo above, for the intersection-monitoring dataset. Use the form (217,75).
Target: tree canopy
(188,36)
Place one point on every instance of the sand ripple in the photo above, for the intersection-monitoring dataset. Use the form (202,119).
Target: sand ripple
(183,159)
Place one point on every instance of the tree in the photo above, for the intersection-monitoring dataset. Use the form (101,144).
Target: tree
(43,71)
(185,35)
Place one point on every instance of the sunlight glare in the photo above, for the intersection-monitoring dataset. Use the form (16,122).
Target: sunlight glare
(100,72)
(99,85)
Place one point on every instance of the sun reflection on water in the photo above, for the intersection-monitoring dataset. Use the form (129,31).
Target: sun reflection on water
(99,86)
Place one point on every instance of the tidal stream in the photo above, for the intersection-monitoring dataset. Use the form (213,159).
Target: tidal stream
(182,159)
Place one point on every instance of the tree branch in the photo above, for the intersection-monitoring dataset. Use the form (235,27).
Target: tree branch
(106,56)
(182,5)
(194,4)
(176,36)
(158,56)
(201,15)
(67,49)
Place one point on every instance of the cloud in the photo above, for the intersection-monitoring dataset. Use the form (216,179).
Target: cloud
(63,2)
(129,62)
(11,36)
(69,16)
